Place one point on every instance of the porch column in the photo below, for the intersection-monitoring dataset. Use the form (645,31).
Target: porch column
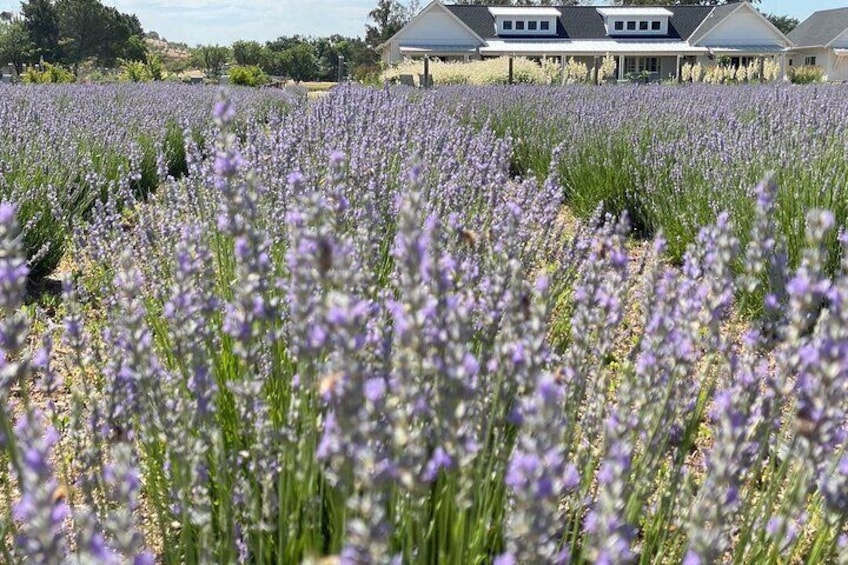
(621,67)
(783,66)
(597,69)
(562,69)
(677,69)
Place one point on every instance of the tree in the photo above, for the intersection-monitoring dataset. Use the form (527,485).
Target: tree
(388,18)
(90,30)
(15,46)
(41,19)
(211,58)
(299,62)
(84,30)
(248,53)
(784,23)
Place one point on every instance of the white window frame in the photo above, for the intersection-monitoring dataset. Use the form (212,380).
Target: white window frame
(634,26)
(525,23)
(639,64)
(810,61)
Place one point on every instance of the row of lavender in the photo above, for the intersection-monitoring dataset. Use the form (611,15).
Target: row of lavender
(62,148)
(675,158)
(349,332)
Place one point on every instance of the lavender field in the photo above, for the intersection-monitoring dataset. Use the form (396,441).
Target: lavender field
(472,325)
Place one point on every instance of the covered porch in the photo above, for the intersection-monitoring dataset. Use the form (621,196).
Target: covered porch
(653,60)
(441,52)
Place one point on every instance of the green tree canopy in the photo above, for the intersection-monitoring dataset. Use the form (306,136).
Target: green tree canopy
(73,31)
(387,18)
(300,62)
(784,23)
(249,53)
(210,58)
(15,45)
(41,20)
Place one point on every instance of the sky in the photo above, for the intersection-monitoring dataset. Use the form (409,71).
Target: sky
(223,21)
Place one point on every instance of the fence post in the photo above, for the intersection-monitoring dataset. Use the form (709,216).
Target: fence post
(341,68)
(511,75)
(426,72)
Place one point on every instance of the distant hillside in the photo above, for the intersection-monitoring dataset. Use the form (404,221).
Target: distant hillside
(177,52)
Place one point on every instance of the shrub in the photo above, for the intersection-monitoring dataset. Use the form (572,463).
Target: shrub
(807,74)
(484,72)
(247,75)
(135,71)
(48,74)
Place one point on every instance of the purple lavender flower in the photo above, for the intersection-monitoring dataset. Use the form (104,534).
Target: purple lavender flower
(41,509)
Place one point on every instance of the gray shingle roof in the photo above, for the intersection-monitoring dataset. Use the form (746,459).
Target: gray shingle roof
(583,22)
(821,28)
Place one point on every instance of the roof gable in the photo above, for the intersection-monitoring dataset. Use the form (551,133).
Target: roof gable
(581,22)
(737,24)
(435,16)
(821,28)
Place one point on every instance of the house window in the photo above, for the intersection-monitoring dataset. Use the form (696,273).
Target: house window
(810,61)
(643,26)
(791,61)
(639,64)
(652,64)
(507,25)
(631,26)
(619,26)
(544,25)
(519,25)
(656,25)
(737,62)
(531,25)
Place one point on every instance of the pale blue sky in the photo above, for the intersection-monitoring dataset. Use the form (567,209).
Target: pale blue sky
(224,21)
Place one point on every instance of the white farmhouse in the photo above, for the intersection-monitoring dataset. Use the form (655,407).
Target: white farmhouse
(656,40)
(822,40)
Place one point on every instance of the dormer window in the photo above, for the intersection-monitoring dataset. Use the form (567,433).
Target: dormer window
(524,20)
(635,20)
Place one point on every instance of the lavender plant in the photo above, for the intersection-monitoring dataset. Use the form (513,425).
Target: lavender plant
(340,335)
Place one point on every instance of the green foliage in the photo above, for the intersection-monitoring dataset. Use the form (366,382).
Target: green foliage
(247,53)
(41,20)
(174,150)
(387,18)
(784,23)
(156,67)
(135,71)
(807,74)
(300,62)
(135,49)
(71,32)
(210,58)
(247,76)
(48,74)
(15,45)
